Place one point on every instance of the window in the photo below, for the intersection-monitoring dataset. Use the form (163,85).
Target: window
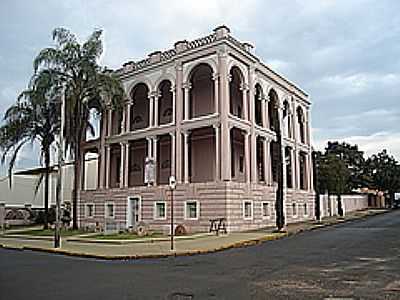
(89,210)
(192,210)
(294,210)
(266,212)
(248,210)
(109,210)
(305,209)
(160,210)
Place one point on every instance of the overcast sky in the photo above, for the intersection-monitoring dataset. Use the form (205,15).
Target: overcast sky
(345,54)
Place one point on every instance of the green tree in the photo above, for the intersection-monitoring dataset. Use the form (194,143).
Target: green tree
(333,176)
(383,172)
(85,85)
(34,117)
(354,161)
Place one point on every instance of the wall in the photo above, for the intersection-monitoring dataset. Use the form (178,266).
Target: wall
(329,205)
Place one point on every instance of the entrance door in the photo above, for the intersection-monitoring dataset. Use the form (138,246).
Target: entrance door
(133,212)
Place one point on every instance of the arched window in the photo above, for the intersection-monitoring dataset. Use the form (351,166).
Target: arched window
(273,114)
(287,126)
(257,105)
(301,124)
(140,107)
(202,91)
(165,103)
(236,93)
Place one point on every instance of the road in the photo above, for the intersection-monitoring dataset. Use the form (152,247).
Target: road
(356,260)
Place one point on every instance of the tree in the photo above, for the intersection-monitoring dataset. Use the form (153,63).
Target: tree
(354,161)
(85,85)
(333,177)
(383,172)
(34,117)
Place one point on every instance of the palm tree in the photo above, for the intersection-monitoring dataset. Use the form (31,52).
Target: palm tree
(34,117)
(85,84)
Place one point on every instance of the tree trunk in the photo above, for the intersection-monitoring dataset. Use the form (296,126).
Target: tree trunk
(46,187)
(77,178)
(340,207)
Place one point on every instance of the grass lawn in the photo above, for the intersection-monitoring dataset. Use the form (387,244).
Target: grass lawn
(49,232)
(124,236)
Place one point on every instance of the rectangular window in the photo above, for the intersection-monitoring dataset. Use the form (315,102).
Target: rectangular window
(294,210)
(160,210)
(248,210)
(192,210)
(109,210)
(89,210)
(266,213)
(305,209)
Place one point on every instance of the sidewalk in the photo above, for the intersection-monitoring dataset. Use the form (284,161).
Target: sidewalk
(152,249)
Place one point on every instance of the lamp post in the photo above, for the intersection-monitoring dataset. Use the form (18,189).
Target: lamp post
(172,186)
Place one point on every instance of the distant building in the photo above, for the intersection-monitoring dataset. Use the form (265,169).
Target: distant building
(207,112)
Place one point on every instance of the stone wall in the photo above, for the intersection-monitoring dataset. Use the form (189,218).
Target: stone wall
(216,200)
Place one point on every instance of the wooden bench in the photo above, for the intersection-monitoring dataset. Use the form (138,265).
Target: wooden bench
(218,225)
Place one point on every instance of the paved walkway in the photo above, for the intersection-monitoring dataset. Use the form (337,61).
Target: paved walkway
(198,245)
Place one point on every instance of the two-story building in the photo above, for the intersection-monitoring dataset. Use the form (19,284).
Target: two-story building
(207,112)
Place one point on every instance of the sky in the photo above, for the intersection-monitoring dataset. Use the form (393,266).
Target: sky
(344,54)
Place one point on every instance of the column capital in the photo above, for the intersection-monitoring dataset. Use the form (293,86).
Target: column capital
(186,132)
(187,85)
(215,76)
(124,143)
(229,77)
(244,87)
(172,134)
(246,133)
(216,126)
(173,88)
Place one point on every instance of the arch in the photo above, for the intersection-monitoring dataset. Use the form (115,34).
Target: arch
(165,77)
(236,85)
(201,97)
(165,102)
(140,106)
(136,82)
(273,115)
(259,95)
(287,119)
(188,72)
(232,64)
(300,120)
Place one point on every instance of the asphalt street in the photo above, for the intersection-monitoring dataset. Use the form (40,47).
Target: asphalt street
(355,260)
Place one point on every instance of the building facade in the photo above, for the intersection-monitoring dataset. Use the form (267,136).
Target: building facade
(208,112)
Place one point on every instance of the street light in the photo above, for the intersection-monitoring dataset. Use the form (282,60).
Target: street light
(172,186)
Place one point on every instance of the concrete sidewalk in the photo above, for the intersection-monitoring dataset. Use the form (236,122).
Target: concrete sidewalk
(151,249)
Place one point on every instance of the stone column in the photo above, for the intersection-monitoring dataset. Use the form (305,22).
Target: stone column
(151,110)
(253,138)
(128,117)
(216,92)
(247,155)
(156,99)
(293,158)
(109,121)
(267,166)
(264,112)
(187,88)
(126,174)
(297,168)
(122,166)
(173,154)
(155,158)
(149,147)
(217,154)
(178,116)
(244,88)
(108,165)
(225,130)
(311,172)
(186,156)
(173,104)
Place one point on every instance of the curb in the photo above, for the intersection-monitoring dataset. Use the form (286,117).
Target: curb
(241,244)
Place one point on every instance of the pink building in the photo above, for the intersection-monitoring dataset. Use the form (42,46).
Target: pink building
(207,112)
